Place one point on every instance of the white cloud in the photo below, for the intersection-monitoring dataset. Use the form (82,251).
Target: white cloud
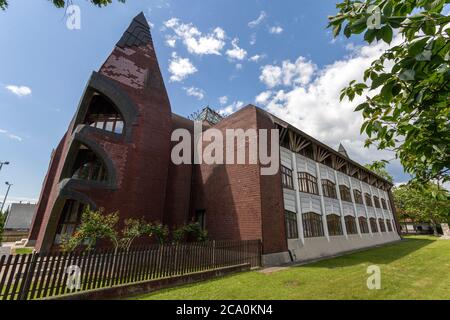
(312,103)
(253,39)
(263,97)
(261,18)
(236,53)
(288,74)
(239,66)
(180,68)
(195,92)
(171,42)
(20,91)
(235,106)
(257,57)
(276,30)
(223,100)
(10,135)
(195,41)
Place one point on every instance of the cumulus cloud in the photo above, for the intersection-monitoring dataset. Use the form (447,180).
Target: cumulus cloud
(235,106)
(257,57)
(171,42)
(180,68)
(195,41)
(223,100)
(20,91)
(195,92)
(311,102)
(276,30)
(10,135)
(262,16)
(236,53)
(288,74)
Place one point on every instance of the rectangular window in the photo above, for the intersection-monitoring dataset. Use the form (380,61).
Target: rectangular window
(329,189)
(291,225)
(312,225)
(389,225)
(382,225)
(358,196)
(368,199)
(286,177)
(376,202)
(373,225)
(363,226)
(334,225)
(350,225)
(383,204)
(345,193)
(200,216)
(307,183)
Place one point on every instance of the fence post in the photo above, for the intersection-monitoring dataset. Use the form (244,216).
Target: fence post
(28,277)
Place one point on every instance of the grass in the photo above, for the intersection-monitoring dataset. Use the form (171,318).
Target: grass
(416,268)
(23,250)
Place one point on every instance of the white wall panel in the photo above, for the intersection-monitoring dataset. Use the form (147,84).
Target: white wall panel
(306,165)
(286,158)
(289,200)
(343,179)
(310,203)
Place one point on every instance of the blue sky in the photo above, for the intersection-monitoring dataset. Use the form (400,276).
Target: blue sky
(277,54)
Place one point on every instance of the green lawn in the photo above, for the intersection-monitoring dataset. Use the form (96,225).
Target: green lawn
(416,268)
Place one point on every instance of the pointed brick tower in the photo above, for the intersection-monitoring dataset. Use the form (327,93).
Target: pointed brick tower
(116,152)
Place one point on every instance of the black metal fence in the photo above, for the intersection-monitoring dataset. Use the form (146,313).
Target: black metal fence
(35,276)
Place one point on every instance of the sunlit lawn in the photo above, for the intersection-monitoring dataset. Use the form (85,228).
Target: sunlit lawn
(416,268)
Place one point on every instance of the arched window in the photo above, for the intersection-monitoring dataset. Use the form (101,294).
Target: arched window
(69,220)
(307,183)
(389,225)
(291,225)
(329,189)
(383,204)
(102,114)
(368,199)
(376,202)
(334,225)
(286,178)
(350,225)
(345,193)
(363,226)
(88,166)
(312,225)
(358,196)
(373,225)
(382,225)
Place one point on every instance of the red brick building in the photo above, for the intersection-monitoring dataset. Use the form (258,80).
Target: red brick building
(116,154)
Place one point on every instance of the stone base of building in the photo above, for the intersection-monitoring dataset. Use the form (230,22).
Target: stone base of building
(275,259)
(317,248)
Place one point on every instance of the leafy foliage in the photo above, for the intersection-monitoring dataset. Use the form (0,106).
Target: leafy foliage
(62,3)
(422,203)
(408,109)
(2,226)
(133,229)
(379,167)
(159,231)
(95,225)
(190,233)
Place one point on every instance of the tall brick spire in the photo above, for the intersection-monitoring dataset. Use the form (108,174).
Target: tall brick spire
(137,34)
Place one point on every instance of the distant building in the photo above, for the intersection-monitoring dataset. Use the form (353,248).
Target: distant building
(116,154)
(20,217)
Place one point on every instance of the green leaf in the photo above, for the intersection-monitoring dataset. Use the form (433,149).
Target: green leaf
(336,30)
(386,34)
(429,28)
(370,34)
(379,80)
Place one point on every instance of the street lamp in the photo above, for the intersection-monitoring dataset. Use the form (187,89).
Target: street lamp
(3,163)
(6,195)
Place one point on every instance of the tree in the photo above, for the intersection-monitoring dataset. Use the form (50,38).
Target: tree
(422,203)
(407,108)
(191,232)
(2,226)
(379,167)
(95,225)
(134,228)
(62,3)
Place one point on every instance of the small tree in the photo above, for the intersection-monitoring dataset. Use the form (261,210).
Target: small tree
(191,232)
(159,231)
(2,226)
(95,225)
(134,228)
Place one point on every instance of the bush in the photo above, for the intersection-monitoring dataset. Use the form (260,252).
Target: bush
(190,233)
